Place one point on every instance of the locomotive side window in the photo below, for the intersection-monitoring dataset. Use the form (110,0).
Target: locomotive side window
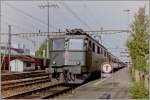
(98,49)
(93,47)
(58,44)
(90,44)
(76,44)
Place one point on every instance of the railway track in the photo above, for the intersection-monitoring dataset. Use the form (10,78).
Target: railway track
(14,76)
(49,91)
(31,85)
(37,87)
(24,82)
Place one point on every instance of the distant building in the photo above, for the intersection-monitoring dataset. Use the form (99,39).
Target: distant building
(22,64)
(15,50)
(17,59)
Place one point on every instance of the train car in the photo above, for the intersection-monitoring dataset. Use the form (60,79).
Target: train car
(77,56)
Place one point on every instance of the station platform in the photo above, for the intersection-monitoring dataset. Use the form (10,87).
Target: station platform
(115,87)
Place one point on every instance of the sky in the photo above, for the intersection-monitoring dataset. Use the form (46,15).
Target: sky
(27,16)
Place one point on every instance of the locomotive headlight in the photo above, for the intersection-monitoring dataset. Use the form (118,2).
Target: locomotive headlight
(54,62)
(78,62)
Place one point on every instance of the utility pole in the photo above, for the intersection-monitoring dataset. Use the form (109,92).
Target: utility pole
(48,39)
(48,7)
(9,45)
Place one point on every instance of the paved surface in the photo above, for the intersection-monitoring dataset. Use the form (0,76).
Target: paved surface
(116,87)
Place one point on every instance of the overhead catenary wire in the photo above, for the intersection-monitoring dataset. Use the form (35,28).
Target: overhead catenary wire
(22,25)
(65,18)
(15,25)
(30,23)
(26,38)
(87,16)
(31,16)
(91,14)
(90,32)
(43,2)
(74,14)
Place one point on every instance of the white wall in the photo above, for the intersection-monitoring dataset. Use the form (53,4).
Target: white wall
(20,66)
(16,65)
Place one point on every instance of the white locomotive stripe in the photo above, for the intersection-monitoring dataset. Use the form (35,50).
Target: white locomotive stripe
(100,81)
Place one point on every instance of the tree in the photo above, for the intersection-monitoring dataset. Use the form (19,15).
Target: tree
(139,51)
(42,50)
(138,43)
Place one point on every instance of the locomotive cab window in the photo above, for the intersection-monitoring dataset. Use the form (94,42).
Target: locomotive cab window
(76,44)
(58,44)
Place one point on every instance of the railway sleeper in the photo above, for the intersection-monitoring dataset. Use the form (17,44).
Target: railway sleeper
(27,84)
(22,80)
(31,91)
(55,94)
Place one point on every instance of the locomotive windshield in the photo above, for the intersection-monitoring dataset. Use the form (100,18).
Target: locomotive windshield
(76,44)
(58,44)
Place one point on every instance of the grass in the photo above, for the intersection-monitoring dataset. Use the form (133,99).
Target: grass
(138,91)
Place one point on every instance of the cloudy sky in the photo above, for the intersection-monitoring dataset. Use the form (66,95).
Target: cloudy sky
(27,16)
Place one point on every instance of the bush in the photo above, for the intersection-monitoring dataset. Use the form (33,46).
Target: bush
(138,91)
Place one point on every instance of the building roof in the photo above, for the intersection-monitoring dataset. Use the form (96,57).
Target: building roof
(26,59)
